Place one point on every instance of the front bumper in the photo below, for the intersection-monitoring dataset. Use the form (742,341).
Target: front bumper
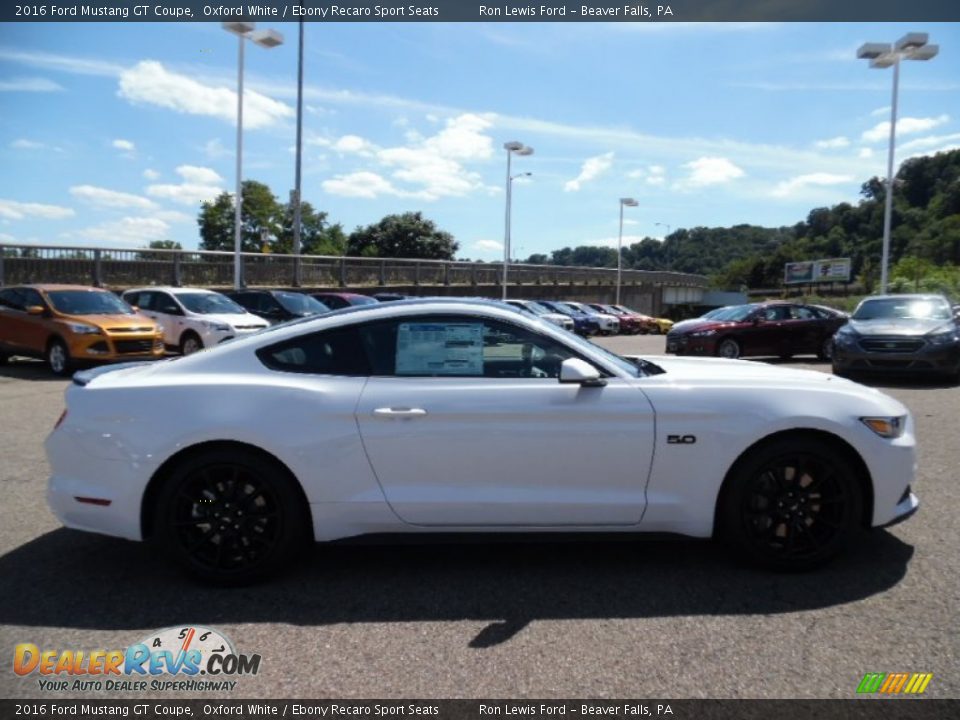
(112,347)
(687,345)
(927,359)
(904,510)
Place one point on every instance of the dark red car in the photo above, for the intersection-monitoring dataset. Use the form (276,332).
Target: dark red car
(779,328)
(630,323)
(338,300)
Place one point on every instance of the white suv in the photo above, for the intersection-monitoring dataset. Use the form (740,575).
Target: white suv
(192,318)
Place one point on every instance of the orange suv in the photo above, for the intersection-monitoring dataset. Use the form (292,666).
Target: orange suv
(67,324)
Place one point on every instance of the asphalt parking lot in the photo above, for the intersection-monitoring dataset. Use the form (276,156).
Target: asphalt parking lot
(599,618)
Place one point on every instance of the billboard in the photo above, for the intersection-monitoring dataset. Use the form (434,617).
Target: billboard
(817,271)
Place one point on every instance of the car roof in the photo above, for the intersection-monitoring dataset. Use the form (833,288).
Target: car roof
(344,295)
(911,296)
(60,286)
(172,290)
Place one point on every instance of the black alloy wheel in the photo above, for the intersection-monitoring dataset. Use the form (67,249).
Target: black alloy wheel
(793,505)
(230,517)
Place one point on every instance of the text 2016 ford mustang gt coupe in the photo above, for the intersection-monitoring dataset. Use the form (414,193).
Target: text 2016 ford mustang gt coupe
(455,416)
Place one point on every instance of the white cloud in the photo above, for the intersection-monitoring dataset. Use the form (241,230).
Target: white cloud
(905,126)
(797,185)
(880,111)
(148,82)
(4,237)
(463,138)
(353,144)
(25,144)
(865,153)
(15,210)
(103,197)
(930,144)
(150,174)
(488,246)
(200,184)
(34,84)
(651,175)
(173,216)
(836,142)
(711,171)
(214,149)
(612,242)
(125,145)
(591,169)
(132,231)
(359,184)
(199,175)
(63,63)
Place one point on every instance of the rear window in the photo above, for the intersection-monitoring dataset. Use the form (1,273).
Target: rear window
(328,352)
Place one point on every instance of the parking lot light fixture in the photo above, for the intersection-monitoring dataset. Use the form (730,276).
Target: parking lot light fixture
(265,39)
(912,46)
(624,202)
(513,147)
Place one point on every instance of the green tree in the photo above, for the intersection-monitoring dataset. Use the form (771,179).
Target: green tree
(159,245)
(260,216)
(409,235)
(317,237)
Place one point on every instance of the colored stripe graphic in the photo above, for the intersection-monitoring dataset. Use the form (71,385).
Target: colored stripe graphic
(895,683)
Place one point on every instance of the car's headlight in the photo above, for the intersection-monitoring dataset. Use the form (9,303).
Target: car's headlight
(703,333)
(886,427)
(217,327)
(845,336)
(83,328)
(944,338)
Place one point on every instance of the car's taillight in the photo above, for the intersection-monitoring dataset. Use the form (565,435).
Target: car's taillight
(63,416)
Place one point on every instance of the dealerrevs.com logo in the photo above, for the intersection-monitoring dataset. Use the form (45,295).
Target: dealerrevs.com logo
(189,659)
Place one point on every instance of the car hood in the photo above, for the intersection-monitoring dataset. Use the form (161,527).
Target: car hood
(698,324)
(718,370)
(235,319)
(896,326)
(556,317)
(112,322)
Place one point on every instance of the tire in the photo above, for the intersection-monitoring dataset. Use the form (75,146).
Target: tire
(791,505)
(190,343)
(729,349)
(230,517)
(58,358)
(835,369)
(826,349)
(3,359)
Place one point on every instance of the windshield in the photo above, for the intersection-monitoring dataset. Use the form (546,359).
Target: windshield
(532,308)
(300,304)
(540,308)
(560,308)
(903,309)
(209,304)
(735,313)
(87,302)
(362,300)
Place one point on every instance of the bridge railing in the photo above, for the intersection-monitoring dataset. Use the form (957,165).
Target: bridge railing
(124,267)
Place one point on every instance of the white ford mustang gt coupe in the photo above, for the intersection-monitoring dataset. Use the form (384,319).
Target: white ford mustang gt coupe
(465,416)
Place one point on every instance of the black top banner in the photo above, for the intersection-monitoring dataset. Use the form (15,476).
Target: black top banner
(488,11)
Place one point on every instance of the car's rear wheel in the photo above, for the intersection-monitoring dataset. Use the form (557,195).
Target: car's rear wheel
(793,504)
(728,348)
(826,349)
(230,516)
(58,358)
(190,343)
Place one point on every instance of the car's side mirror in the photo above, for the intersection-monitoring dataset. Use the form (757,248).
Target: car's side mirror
(575,370)
(35,310)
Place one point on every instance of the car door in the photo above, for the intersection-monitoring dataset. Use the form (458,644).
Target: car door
(15,323)
(465,423)
(804,332)
(763,333)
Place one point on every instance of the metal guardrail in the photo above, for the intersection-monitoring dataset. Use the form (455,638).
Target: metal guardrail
(123,267)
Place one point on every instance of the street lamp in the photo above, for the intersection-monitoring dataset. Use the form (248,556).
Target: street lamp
(512,178)
(512,148)
(667,226)
(624,202)
(912,46)
(265,39)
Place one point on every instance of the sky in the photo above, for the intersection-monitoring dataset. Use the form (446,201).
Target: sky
(112,134)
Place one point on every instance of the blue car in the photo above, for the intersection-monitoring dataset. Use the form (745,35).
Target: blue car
(583,324)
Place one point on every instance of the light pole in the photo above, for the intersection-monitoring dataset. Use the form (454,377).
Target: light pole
(912,46)
(667,226)
(297,214)
(266,39)
(512,148)
(624,202)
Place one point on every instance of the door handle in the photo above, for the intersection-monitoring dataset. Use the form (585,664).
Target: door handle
(389,412)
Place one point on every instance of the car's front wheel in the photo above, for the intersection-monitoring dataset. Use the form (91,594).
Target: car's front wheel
(58,358)
(728,348)
(190,343)
(230,516)
(792,504)
(826,349)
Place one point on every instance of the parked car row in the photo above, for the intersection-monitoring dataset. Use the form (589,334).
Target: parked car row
(909,334)
(590,319)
